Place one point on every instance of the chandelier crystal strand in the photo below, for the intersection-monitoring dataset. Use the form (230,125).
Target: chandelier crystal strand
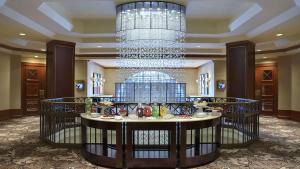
(151,35)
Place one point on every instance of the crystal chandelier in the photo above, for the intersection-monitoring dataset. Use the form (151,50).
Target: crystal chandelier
(151,35)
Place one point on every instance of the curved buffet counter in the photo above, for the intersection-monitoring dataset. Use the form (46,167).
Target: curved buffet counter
(149,143)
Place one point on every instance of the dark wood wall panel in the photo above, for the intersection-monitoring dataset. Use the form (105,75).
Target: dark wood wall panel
(240,60)
(60,69)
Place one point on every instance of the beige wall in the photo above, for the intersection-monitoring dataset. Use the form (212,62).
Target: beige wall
(5,81)
(112,76)
(15,82)
(81,74)
(92,68)
(284,83)
(295,81)
(289,82)
(189,77)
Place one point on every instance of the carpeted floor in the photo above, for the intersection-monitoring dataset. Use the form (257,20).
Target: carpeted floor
(278,148)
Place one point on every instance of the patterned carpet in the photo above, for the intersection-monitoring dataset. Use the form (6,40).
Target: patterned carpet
(278,148)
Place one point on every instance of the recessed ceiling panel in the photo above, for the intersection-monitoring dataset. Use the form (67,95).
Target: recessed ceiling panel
(84,9)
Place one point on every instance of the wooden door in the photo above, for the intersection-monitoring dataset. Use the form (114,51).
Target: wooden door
(266,88)
(33,87)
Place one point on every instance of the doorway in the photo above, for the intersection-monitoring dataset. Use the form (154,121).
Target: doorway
(266,88)
(33,87)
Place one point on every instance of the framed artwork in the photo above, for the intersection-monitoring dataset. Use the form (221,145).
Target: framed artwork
(79,84)
(97,84)
(221,85)
(204,84)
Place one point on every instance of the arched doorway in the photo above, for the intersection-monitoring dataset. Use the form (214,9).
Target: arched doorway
(150,87)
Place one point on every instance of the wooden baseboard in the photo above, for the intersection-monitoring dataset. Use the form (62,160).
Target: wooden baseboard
(295,116)
(16,113)
(284,114)
(10,113)
(4,114)
(289,114)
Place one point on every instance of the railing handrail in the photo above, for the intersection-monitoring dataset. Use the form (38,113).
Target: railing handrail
(245,101)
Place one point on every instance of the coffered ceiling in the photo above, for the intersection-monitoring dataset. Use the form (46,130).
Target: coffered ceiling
(91,24)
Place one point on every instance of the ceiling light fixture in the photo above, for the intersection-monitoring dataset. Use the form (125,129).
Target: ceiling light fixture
(22,34)
(279,34)
(258,50)
(151,35)
(43,50)
(265,57)
(99,46)
(36,56)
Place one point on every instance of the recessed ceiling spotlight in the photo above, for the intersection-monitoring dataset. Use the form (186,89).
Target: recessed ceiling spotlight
(265,57)
(22,34)
(36,56)
(99,46)
(279,34)
(43,50)
(198,46)
(258,50)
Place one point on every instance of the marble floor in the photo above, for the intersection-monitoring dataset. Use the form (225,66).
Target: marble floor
(278,148)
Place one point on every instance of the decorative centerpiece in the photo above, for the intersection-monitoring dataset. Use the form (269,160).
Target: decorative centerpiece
(88,105)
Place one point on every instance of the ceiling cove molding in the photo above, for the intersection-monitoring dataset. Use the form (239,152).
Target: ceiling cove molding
(291,48)
(18,41)
(185,45)
(245,17)
(21,49)
(91,35)
(52,14)
(277,20)
(112,35)
(2,3)
(25,21)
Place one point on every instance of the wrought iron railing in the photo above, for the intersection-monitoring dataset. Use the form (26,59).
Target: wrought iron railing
(60,118)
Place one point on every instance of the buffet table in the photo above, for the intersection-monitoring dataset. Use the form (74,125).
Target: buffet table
(150,142)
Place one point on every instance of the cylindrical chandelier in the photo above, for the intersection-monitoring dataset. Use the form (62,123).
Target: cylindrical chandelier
(151,35)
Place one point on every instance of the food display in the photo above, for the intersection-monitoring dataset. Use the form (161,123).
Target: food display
(163,110)
(140,110)
(123,111)
(147,111)
(106,117)
(95,115)
(106,103)
(200,104)
(184,116)
(154,111)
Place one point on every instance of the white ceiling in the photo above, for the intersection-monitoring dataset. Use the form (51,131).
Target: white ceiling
(106,8)
(91,23)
